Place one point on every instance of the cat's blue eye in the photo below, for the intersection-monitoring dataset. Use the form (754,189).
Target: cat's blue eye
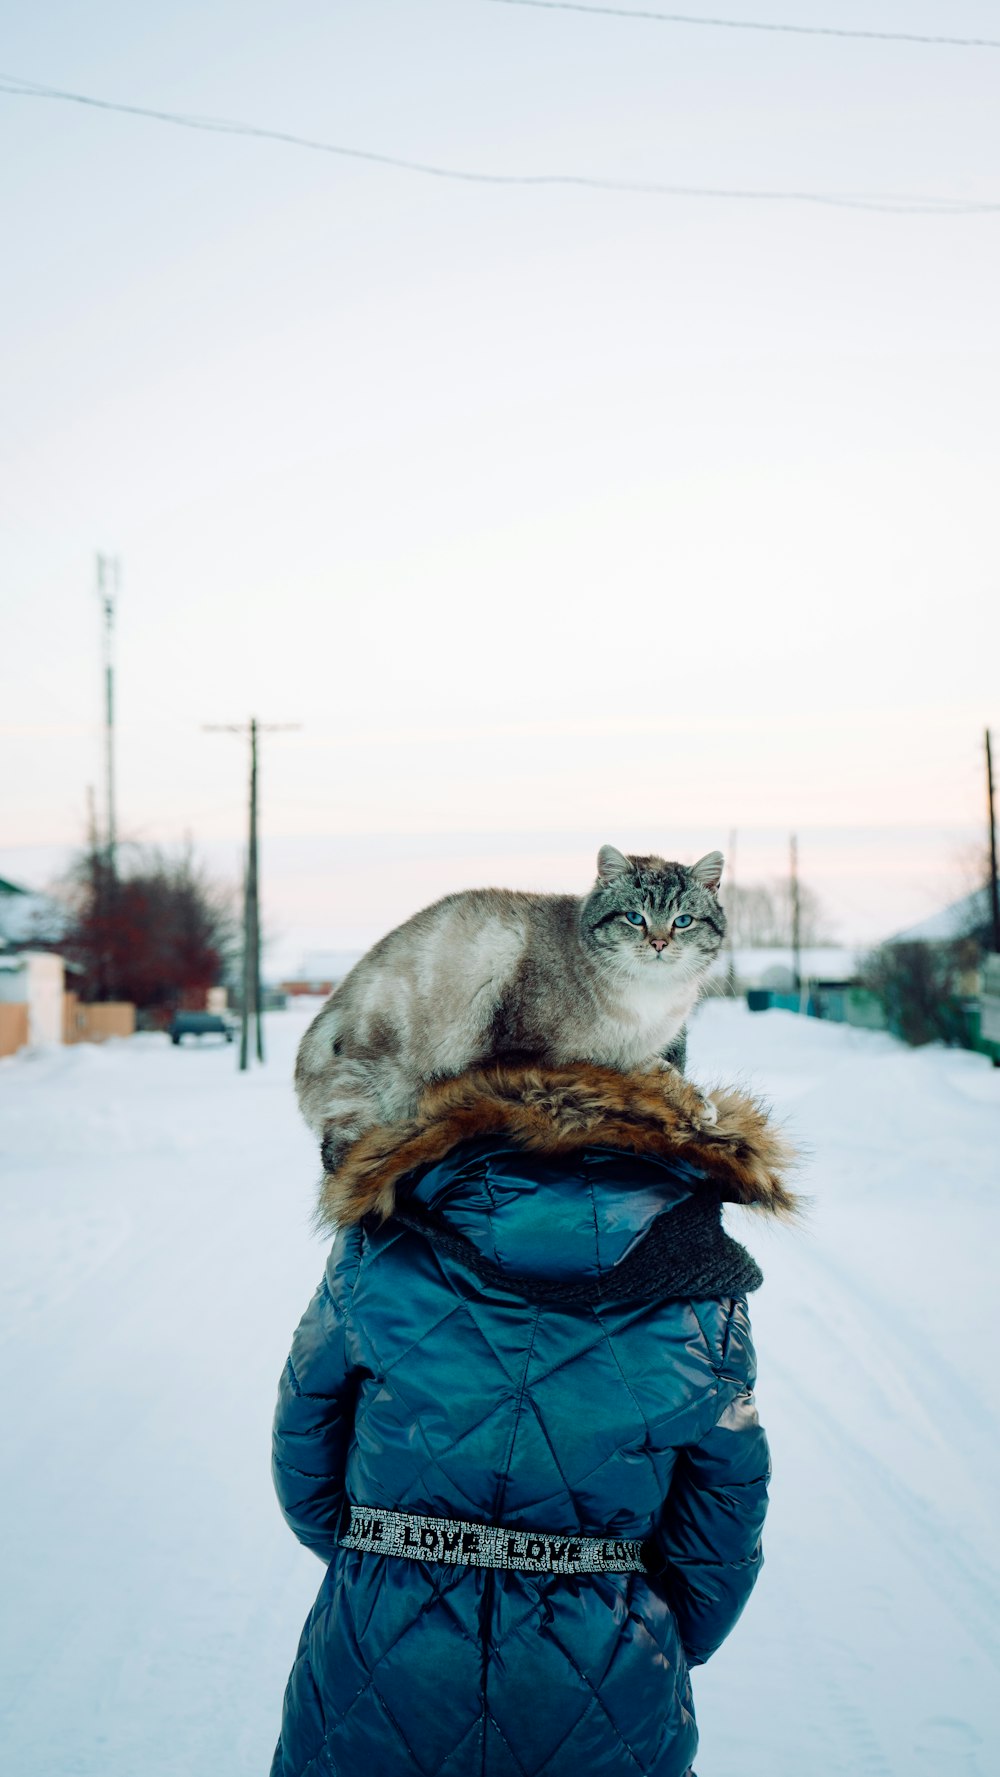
(635,919)
(684,919)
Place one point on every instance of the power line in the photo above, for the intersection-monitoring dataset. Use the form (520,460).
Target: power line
(896,205)
(687,18)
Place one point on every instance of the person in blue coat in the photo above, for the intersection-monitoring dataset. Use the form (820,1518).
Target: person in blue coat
(517,1426)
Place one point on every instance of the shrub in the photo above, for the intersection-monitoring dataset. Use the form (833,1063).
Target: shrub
(157,932)
(915,985)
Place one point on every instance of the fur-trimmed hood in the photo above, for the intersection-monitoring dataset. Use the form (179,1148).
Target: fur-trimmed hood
(558,1111)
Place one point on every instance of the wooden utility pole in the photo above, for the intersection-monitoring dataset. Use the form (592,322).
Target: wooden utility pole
(108,583)
(796,912)
(251,923)
(994,891)
(731,923)
(251,890)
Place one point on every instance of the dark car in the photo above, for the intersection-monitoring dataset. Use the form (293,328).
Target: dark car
(199,1024)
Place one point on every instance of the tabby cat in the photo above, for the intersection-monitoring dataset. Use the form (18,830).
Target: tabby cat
(496,975)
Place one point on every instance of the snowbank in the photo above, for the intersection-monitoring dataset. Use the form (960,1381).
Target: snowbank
(155,1212)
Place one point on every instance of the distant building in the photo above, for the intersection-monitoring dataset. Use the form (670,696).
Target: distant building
(961,919)
(28,918)
(320,972)
(773,966)
(31,999)
(959,931)
(38,1003)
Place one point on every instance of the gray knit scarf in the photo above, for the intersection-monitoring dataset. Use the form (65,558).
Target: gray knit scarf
(686,1254)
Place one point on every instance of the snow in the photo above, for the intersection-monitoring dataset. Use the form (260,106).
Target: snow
(762,965)
(27,916)
(156,1255)
(954,921)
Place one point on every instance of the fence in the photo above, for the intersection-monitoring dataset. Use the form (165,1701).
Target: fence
(13,1026)
(84,1023)
(841,1003)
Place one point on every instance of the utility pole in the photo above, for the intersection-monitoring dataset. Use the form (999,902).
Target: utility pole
(731,924)
(251,889)
(98,884)
(251,921)
(108,584)
(796,912)
(994,891)
(92,837)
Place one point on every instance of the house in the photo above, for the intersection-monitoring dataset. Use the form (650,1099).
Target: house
(320,972)
(961,927)
(961,919)
(36,1003)
(956,943)
(32,999)
(28,918)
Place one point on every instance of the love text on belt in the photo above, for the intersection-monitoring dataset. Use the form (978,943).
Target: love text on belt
(461,1544)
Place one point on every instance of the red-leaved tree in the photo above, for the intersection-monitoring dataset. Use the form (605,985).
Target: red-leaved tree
(155,931)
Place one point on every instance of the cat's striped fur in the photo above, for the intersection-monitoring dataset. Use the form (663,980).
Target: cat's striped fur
(498,975)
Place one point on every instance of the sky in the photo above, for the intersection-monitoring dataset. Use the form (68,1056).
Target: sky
(553,516)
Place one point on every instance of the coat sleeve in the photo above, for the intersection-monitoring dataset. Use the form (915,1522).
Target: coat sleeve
(711,1528)
(314,1422)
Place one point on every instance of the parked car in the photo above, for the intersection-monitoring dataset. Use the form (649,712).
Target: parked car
(199,1024)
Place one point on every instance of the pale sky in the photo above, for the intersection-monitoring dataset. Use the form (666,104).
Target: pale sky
(554,516)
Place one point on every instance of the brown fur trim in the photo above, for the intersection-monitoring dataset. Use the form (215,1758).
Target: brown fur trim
(552,1110)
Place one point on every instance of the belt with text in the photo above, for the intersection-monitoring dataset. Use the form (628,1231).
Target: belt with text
(461,1544)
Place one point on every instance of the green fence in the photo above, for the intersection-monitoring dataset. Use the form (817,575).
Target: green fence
(842,1004)
(974,1039)
(839,1003)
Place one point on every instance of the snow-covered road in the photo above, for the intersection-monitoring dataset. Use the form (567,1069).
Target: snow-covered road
(156,1255)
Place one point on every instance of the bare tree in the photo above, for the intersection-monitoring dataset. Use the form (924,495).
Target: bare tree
(761,915)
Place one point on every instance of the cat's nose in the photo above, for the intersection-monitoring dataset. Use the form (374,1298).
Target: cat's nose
(658,944)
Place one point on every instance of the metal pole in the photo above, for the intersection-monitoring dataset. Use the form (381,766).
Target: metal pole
(994,892)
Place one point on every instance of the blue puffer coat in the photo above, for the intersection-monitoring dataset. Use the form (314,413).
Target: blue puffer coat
(547,1331)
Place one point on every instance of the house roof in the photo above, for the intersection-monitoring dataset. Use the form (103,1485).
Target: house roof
(956,920)
(26,916)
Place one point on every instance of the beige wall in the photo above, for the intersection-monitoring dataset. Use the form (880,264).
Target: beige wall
(36,982)
(13,1026)
(45,996)
(94,1024)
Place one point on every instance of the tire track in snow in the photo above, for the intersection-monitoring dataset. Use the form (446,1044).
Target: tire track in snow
(939,1392)
(924,1536)
(941,1387)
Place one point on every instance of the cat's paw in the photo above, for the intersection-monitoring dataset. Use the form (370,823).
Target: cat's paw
(708,1111)
(704,1111)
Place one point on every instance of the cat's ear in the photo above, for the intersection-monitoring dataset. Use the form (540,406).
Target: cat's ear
(708,871)
(611,863)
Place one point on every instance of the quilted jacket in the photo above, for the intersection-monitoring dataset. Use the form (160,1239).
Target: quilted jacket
(546,1329)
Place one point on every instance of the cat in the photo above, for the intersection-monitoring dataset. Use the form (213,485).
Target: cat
(498,975)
